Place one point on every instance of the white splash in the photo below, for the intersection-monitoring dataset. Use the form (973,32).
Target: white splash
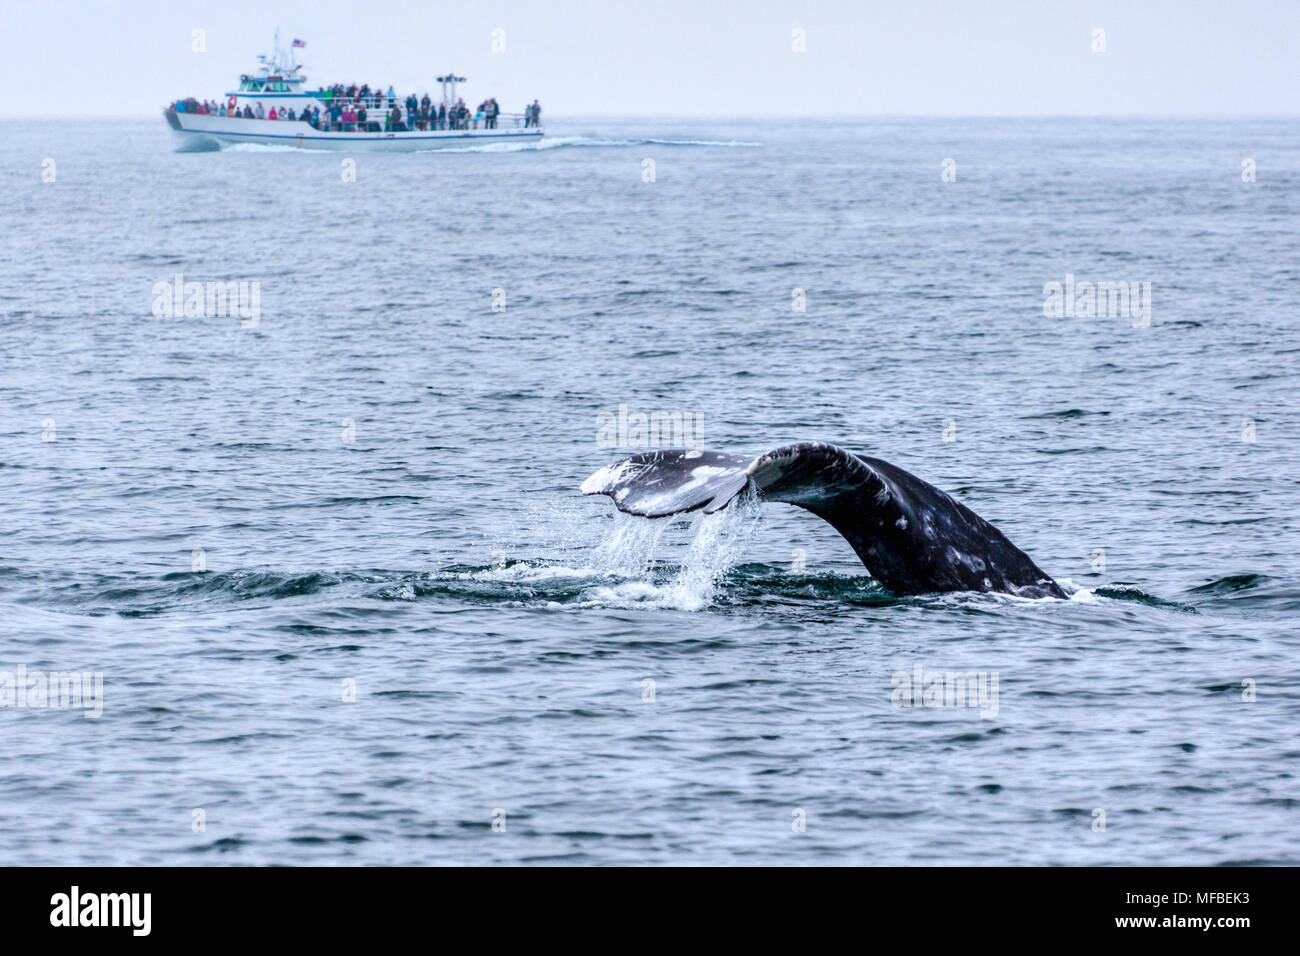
(625,559)
(629,549)
(626,562)
(720,542)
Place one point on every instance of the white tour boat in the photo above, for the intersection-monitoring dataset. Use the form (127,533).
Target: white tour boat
(280,86)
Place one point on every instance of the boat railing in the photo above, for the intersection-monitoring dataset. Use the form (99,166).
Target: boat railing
(515,119)
(377,122)
(383,102)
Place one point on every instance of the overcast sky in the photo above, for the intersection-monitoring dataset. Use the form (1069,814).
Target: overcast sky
(698,57)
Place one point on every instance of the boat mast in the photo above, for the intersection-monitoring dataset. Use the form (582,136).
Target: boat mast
(450,80)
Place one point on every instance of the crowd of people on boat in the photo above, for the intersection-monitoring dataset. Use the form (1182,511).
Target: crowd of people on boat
(352,108)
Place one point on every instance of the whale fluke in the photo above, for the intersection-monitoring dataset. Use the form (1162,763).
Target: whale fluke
(911,536)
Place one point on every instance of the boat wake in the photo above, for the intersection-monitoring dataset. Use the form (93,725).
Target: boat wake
(557,142)
(268,148)
(198,144)
(204,144)
(571,142)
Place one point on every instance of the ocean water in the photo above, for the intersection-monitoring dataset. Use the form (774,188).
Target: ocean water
(348,606)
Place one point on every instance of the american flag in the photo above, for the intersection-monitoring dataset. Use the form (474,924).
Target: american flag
(301,43)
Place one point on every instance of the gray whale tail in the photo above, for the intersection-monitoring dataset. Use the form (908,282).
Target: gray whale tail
(911,536)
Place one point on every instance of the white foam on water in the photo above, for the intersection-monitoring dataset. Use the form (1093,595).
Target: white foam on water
(625,594)
(559,142)
(482,148)
(1075,592)
(268,148)
(555,142)
(521,572)
(549,142)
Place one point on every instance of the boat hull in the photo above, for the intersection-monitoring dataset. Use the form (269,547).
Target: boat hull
(200,132)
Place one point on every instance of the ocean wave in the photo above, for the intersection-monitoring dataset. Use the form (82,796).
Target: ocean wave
(1231,584)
